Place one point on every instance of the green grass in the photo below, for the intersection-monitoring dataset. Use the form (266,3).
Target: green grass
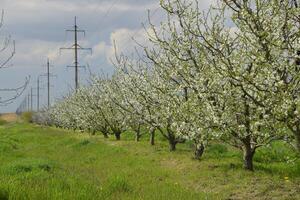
(48,163)
(2,122)
(27,117)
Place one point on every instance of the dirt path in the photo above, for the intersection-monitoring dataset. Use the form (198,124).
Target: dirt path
(9,117)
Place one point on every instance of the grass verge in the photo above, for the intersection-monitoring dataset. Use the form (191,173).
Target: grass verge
(48,163)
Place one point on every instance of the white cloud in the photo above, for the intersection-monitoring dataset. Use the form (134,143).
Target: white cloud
(32,53)
(99,51)
(128,41)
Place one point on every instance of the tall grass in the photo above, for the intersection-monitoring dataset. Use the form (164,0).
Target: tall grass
(27,117)
(49,163)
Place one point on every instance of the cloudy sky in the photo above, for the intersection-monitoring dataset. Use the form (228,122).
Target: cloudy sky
(38,27)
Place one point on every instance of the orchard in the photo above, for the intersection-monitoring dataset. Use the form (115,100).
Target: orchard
(229,74)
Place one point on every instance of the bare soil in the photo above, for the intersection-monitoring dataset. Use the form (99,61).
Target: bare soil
(9,117)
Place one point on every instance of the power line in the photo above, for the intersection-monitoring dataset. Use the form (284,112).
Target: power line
(110,8)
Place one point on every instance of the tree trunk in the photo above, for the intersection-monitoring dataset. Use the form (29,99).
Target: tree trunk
(118,135)
(105,134)
(248,157)
(297,136)
(172,144)
(137,136)
(248,150)
(171,138)
(138,133)
(199,150)
(152,136)
(298,142)
(296,133)
(93,132)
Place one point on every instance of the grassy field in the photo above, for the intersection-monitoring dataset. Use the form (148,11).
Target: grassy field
(47,163)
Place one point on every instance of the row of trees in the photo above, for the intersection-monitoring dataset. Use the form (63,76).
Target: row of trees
(231,73)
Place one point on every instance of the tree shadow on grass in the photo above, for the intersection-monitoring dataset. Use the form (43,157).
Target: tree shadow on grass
(280,168)
(4,194)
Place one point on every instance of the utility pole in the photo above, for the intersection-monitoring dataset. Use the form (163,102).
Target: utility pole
(48,75)
(28,102)
(48,81)
(76,47)
(21,107)
(38,91)
(31,99)
(38,94)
